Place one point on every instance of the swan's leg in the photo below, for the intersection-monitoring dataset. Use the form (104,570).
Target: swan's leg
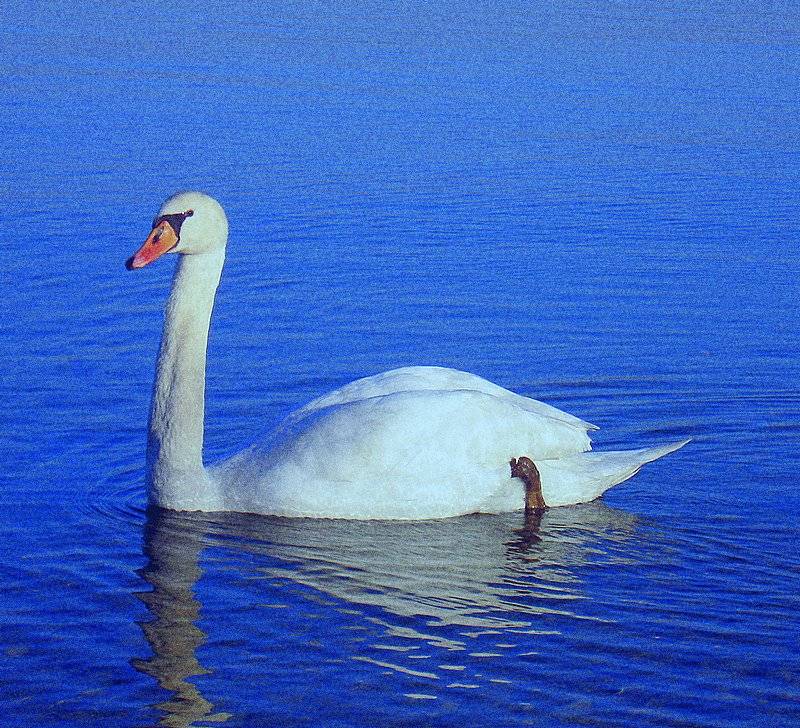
(524,469)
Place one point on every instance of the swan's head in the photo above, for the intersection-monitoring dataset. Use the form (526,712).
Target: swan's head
(187,223)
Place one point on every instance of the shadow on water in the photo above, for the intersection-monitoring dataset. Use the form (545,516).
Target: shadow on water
(496,572)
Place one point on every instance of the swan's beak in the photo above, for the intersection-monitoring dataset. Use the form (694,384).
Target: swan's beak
(162,239)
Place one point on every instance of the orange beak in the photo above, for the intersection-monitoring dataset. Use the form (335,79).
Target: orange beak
(162,239)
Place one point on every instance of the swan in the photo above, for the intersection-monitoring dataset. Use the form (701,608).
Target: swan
(419,442)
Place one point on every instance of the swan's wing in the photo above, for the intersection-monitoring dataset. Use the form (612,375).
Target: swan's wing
(416,379)
(419,454)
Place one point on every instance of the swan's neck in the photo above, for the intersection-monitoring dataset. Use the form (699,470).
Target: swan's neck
(175,435)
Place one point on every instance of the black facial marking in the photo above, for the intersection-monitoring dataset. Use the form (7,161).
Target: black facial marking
(175,220)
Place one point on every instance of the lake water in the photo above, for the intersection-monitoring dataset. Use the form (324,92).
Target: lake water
(592,203)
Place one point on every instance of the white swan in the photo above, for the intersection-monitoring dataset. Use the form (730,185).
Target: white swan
(413,443)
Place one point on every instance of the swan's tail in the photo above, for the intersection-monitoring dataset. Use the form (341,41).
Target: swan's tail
(583,477)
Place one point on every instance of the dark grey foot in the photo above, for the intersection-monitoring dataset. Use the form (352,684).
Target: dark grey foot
(524,469)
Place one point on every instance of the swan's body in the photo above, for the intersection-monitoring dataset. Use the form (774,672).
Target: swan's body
(413,443)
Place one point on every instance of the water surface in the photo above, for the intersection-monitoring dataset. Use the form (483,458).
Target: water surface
(594,204)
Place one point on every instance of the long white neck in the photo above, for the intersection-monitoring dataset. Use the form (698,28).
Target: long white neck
(176,475)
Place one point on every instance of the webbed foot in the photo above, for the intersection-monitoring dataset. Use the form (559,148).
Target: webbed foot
(524,469)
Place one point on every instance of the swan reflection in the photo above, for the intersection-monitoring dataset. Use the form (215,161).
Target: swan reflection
(483,573)
(172,546)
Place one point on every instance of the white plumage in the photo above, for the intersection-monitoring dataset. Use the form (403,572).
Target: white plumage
(413,443)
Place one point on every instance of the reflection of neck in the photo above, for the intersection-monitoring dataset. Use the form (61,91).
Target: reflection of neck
(173,545)
(175,438)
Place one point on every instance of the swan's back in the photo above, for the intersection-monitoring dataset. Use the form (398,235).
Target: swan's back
(428,378)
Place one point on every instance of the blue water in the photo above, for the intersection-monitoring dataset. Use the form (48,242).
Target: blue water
(596,204)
